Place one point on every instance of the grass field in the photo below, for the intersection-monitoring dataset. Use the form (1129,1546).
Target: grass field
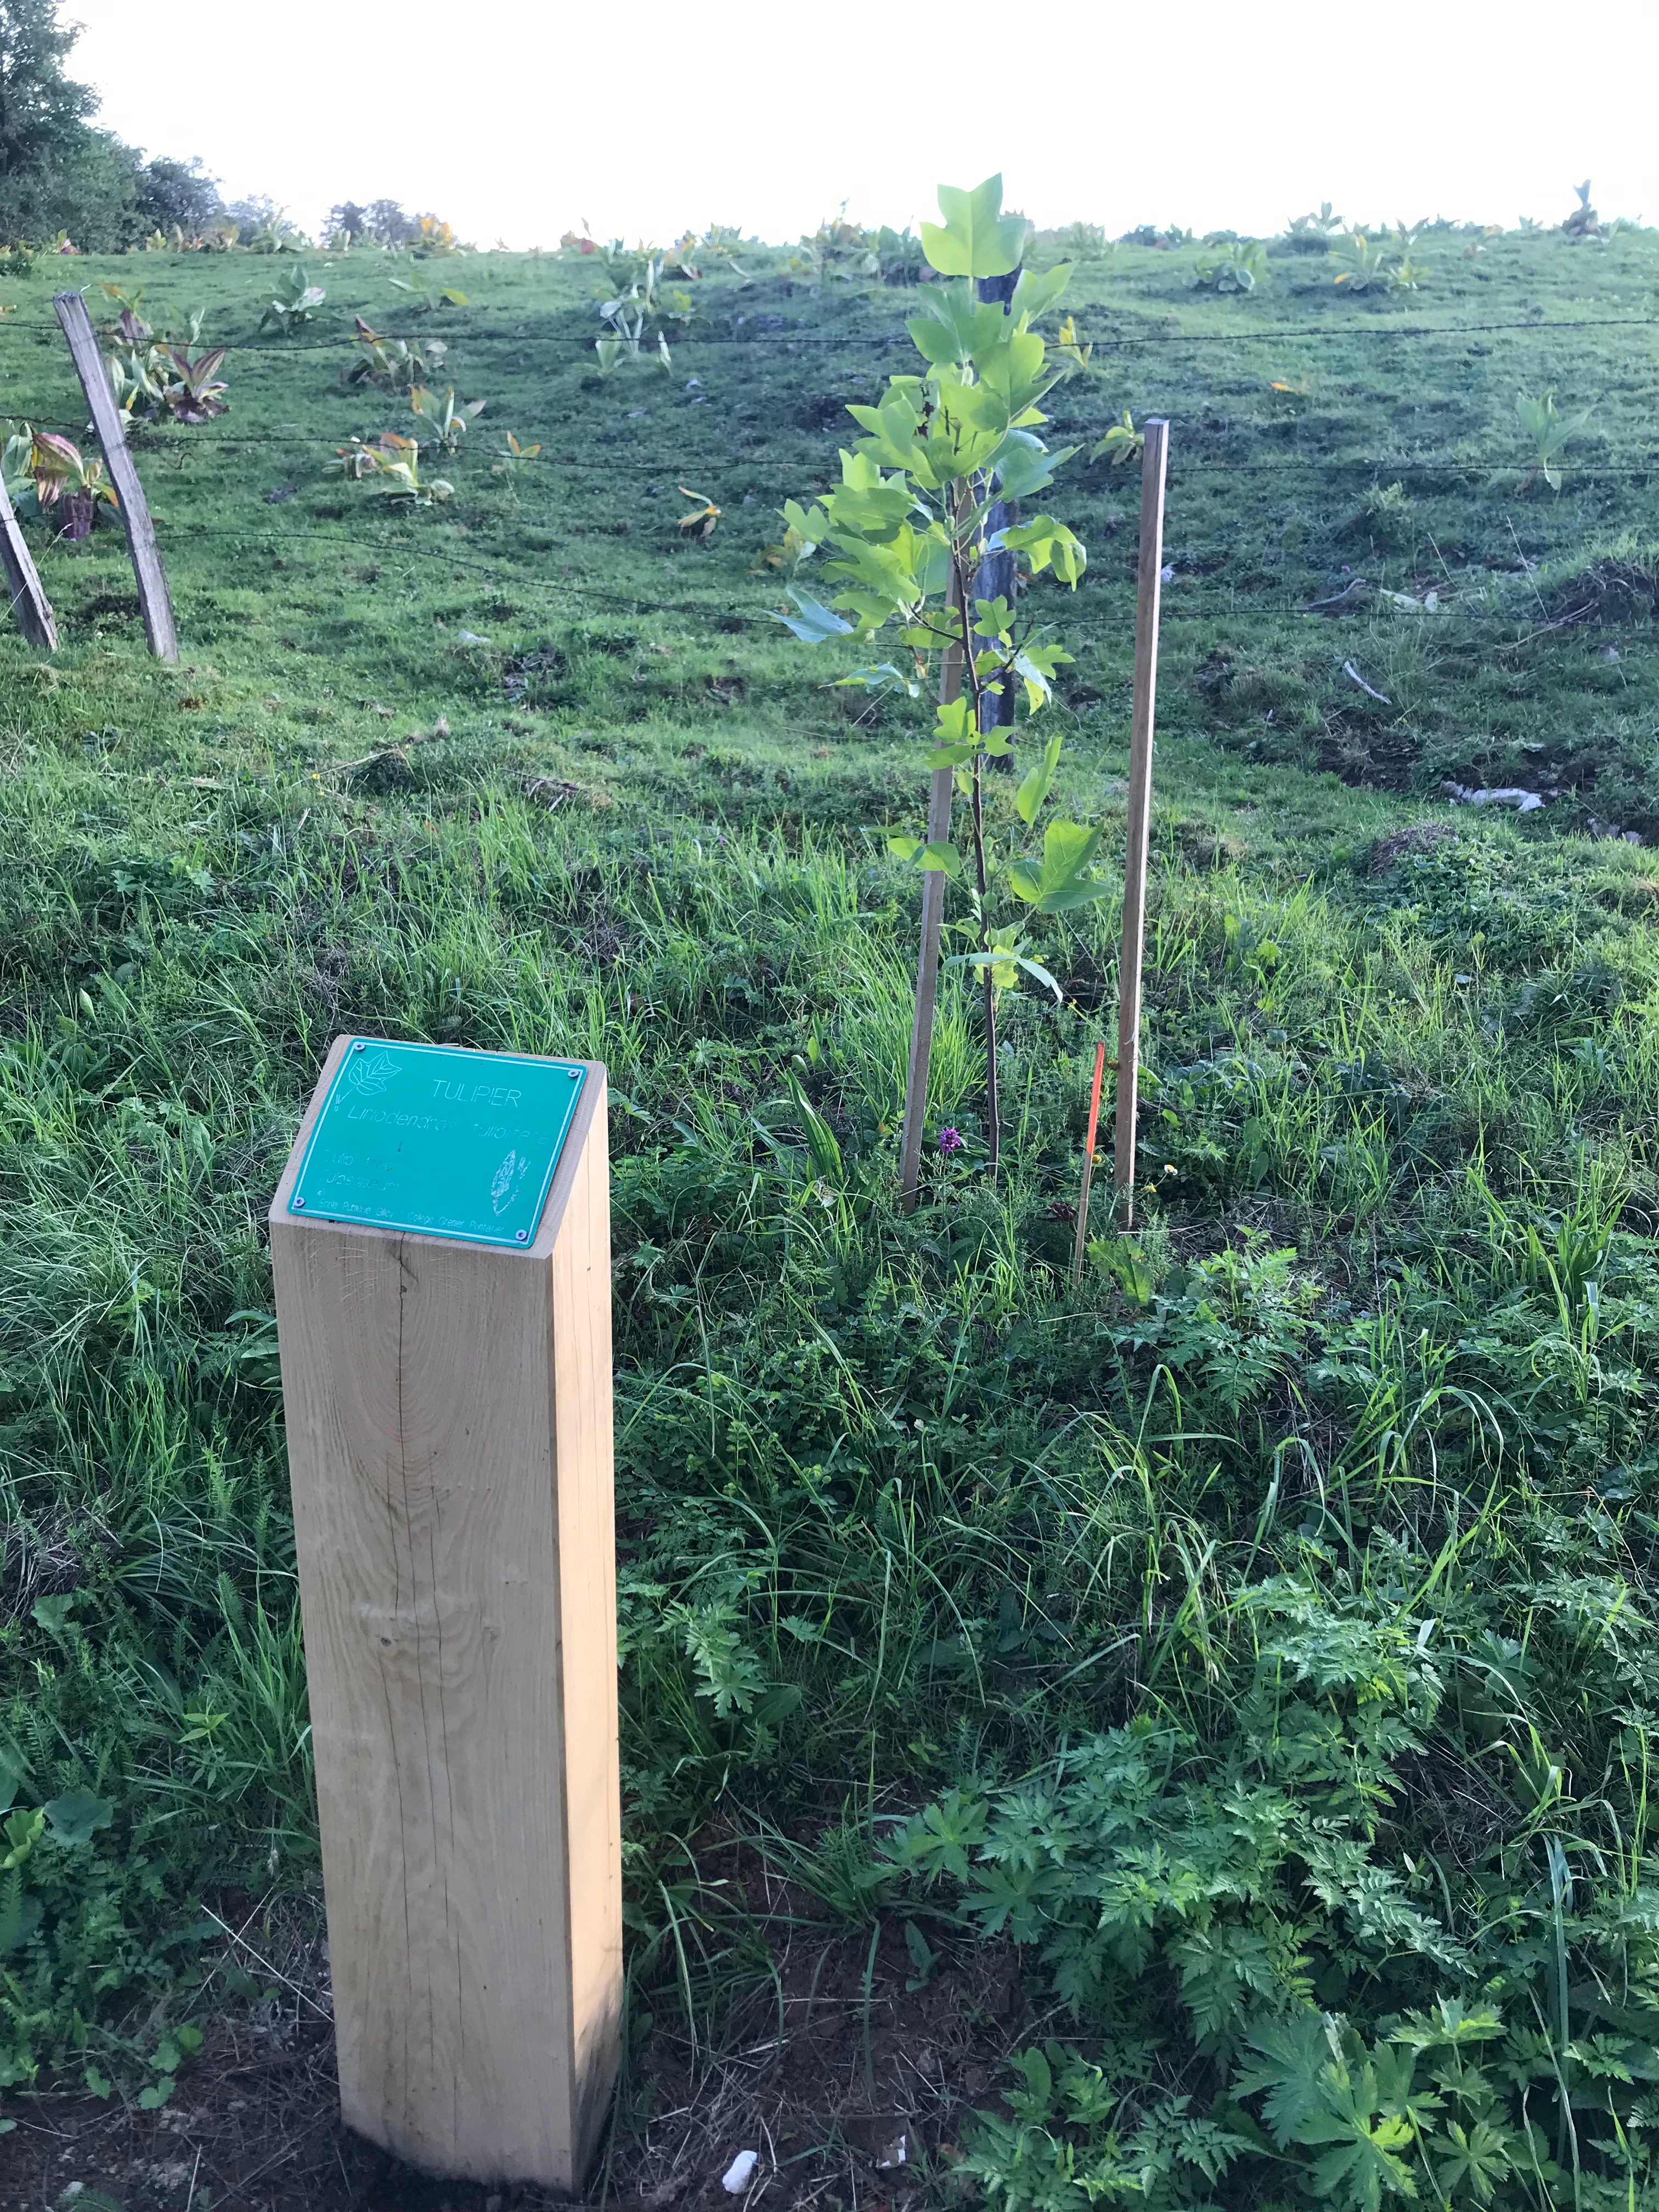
(1236,1678)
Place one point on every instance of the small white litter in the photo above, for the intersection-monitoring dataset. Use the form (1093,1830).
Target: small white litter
(471,637)
(1511,794)
(1348,669)
(741,2171)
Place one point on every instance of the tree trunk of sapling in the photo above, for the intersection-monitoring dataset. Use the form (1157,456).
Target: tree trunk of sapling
(996,576)
(993,1094)
(978,697)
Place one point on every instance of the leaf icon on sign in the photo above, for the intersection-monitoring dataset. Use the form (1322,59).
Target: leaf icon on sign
(369,1071)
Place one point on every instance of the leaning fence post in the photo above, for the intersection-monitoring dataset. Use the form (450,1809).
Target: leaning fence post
(29,603)
(1153,460)
(154,603)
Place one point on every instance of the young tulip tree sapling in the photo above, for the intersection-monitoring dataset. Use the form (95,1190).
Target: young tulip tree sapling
(905,532)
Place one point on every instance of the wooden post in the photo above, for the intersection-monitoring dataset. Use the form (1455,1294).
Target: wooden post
(154,603)
(1152,465)
(448,1412)
(941,791)
(1081,1243)
(29,603)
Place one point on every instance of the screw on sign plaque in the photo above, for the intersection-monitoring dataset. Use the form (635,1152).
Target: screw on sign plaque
(440,1242)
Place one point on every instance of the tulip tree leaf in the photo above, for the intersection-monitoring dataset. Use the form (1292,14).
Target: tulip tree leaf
(1023,464)
(1027,800)
(1035,294)
(815,622)
(1057,884)
(976,239)
(941,858)
(883,676)
(1047,545)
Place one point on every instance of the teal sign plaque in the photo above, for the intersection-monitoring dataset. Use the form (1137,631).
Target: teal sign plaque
(442,1141)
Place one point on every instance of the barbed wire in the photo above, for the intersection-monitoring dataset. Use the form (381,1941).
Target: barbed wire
(143,437)
(721,617)
(1271,333)
(158,440)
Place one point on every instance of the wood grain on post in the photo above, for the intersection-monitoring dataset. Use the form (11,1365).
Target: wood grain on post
(29,603)
(154,601)
(1153,460)
(448,1409)
(941,791)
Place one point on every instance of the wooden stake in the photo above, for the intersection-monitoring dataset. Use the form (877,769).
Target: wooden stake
(155,602)
(940,792)
(448,1413)
(1152,465)
(1088,1167)
(29,603)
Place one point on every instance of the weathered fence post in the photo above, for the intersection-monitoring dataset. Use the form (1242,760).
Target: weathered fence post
(29,603)
(155,602)
(440,1242)
(1152,465)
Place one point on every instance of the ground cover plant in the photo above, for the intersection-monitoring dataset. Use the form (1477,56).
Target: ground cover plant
(1200,1722)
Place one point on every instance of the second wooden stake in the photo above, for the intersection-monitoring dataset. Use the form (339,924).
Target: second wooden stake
(1153,467)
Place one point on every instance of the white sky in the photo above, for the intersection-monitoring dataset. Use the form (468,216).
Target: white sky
(514,118)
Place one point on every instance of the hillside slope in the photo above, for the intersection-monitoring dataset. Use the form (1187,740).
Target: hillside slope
(1262,1628)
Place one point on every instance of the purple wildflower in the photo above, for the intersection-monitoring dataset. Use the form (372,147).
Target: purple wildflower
(949,1141)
